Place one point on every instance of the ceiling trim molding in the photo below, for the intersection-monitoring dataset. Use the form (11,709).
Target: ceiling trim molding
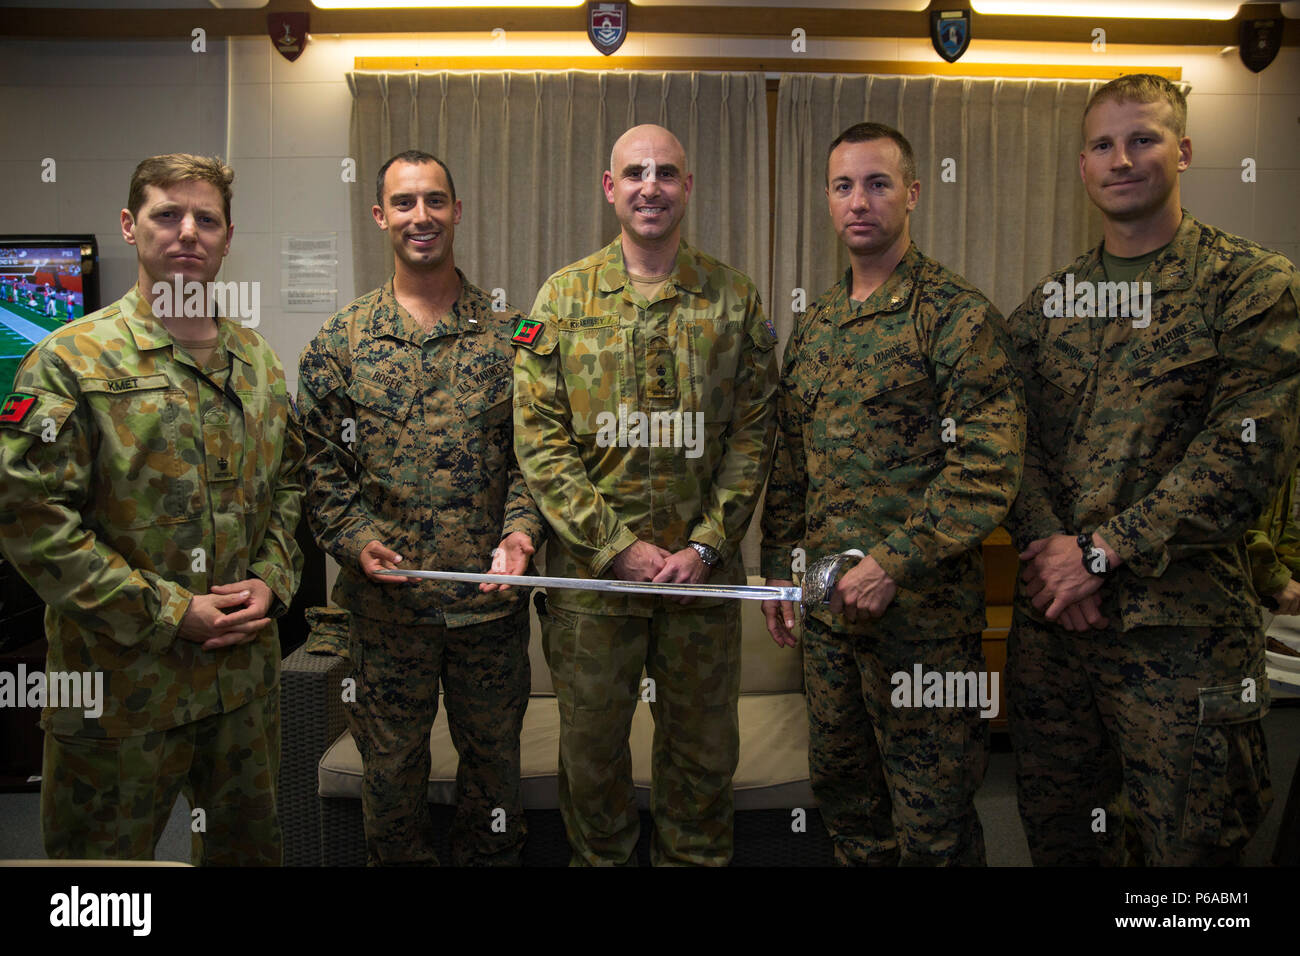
(752,64)
(66,23)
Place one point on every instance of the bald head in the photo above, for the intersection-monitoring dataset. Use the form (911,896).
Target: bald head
(648,186)
(646,142)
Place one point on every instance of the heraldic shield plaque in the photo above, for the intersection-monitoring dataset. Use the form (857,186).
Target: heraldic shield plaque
(950,33)
(288,33)
(606,25)
(1259,42)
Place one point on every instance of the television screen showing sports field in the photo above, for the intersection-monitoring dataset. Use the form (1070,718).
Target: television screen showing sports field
(41,288)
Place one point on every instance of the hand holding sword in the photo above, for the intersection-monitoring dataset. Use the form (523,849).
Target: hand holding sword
(818,583)
(379,563)
(865,587)
(510,557)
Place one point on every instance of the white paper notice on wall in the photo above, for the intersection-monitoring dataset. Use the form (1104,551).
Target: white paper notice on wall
(309,272)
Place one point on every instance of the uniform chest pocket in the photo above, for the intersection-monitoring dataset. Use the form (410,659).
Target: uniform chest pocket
(715,349)
(489,403)
(1063,376)
(1054,395)
(145,479)
(265,417)
(1186,365)
(895,420)
(596,368)
(381,420)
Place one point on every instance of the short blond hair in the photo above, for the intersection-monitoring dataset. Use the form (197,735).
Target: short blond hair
(1142,88)
(172,168)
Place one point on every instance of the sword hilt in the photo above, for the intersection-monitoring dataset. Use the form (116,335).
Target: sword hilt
(822,575)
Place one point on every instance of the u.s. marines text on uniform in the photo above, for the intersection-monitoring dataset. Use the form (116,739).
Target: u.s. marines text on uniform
(901,433)
(406,403)
(1152,447)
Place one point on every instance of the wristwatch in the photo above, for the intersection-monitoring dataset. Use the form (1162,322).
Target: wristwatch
(708,555)
(1087,547)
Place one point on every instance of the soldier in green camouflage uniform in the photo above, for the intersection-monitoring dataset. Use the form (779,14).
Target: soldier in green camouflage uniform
(149,491)
(1157,435)
(405,399)
(1274,547)
(646,327)
(901,433)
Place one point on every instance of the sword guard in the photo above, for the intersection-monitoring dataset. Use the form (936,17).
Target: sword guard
(822,575)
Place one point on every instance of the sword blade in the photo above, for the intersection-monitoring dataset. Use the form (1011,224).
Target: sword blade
(742,592)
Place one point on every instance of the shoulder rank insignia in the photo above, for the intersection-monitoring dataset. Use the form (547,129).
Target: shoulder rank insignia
(527,331)
(15,408)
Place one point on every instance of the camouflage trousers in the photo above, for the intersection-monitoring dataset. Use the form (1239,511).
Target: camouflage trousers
(485,678)
(895,785)
(693,657)
(110,798)
(1155,718)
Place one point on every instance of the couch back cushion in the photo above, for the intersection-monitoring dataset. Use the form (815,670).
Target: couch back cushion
(764,667)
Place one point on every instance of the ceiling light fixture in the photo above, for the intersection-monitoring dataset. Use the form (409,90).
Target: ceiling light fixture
(438,4)
(1142,9)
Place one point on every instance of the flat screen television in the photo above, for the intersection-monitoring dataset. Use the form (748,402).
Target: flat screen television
(45,282)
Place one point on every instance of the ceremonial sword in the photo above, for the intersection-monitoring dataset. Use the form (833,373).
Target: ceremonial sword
(818,583)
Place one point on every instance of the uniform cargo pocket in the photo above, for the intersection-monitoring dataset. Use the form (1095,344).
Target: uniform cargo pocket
(1228,786)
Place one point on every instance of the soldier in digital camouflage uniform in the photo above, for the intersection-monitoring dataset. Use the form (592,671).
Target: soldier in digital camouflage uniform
(901,434)
(149,491)
(646,326)
(1155,440)
(405,397)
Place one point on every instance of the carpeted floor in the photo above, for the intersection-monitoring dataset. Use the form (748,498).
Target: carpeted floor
(20,834)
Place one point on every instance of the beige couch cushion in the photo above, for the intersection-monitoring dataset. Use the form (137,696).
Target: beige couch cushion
(772,773)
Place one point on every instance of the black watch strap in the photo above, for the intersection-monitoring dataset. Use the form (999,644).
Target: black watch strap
(1089,552)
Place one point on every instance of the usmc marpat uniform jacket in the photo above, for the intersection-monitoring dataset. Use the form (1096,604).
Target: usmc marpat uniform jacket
(697,362)
(409,443)
(901,433)
(1170,439)
(130,481)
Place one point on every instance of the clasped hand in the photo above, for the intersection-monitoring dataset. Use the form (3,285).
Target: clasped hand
(1060,586)
(645,561)
(229,614)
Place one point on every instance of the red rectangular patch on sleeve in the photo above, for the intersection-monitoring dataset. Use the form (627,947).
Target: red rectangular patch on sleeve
(527,332)
(16,407)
